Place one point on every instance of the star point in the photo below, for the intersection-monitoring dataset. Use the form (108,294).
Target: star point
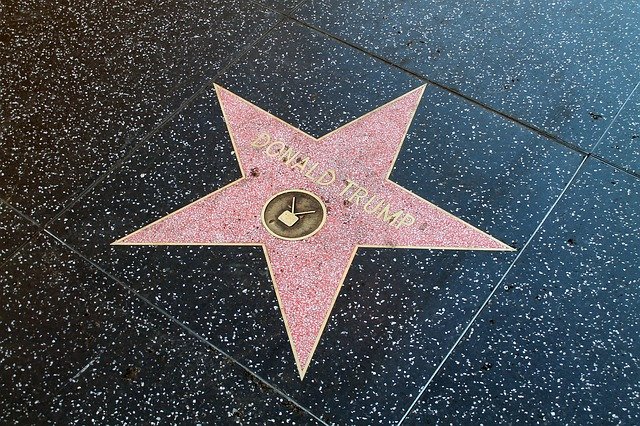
(310,203)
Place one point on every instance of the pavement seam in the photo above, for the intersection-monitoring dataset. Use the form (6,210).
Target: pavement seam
(182,325)
(451,90)
(530,126)
(33,234)
(472,321)
(233,59)
(615,117)
(618,167)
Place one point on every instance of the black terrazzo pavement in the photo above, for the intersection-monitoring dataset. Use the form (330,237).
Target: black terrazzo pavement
(621,143)
(558,342)
(15,230)
(565,67)
(79,348)
(94,333)
(82,84)
(284,6)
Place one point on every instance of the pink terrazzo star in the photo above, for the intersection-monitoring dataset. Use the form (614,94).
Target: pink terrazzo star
(364,208)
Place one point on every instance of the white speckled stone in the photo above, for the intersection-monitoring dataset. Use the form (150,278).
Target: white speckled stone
(558,343)
(82,83)
(78,348)
(399,310)
(564,66)
(621,143)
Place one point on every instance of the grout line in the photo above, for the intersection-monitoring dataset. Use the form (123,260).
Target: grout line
(456,92)
(11,254)
(19,213)
(618,167)
(183,326)
(493,291)
(615,117)
(294,8)
(184,104)
(32,235)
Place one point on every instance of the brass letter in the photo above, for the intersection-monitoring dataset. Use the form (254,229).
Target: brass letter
(300,164)
(288,155)
(358,195)
(269,152)
(406,220)
(311,169)
(369,202)
(384,214)
(350,183)
(330,175)
(257,142)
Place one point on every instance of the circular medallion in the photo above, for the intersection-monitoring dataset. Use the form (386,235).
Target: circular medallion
(294,214)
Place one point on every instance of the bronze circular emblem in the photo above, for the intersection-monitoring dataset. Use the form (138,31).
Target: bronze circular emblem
(294,214)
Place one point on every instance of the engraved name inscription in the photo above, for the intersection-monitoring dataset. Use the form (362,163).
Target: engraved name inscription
(353,193)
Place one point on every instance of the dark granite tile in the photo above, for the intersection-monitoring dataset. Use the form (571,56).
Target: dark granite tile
(56,316)
(82,82)
(399,310)
(558,343)
(156,374)
(564,66)
(280,5)
(313,82)
(77,348)
(14,231)
(621,143)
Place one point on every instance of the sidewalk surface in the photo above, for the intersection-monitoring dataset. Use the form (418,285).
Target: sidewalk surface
(528,130)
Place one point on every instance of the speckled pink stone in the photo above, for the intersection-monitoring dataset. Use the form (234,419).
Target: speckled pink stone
(307,274)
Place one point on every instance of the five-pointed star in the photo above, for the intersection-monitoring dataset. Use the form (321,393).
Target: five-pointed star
(276,157)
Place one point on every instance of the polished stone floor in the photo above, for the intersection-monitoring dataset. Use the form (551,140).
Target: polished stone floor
(528,129)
